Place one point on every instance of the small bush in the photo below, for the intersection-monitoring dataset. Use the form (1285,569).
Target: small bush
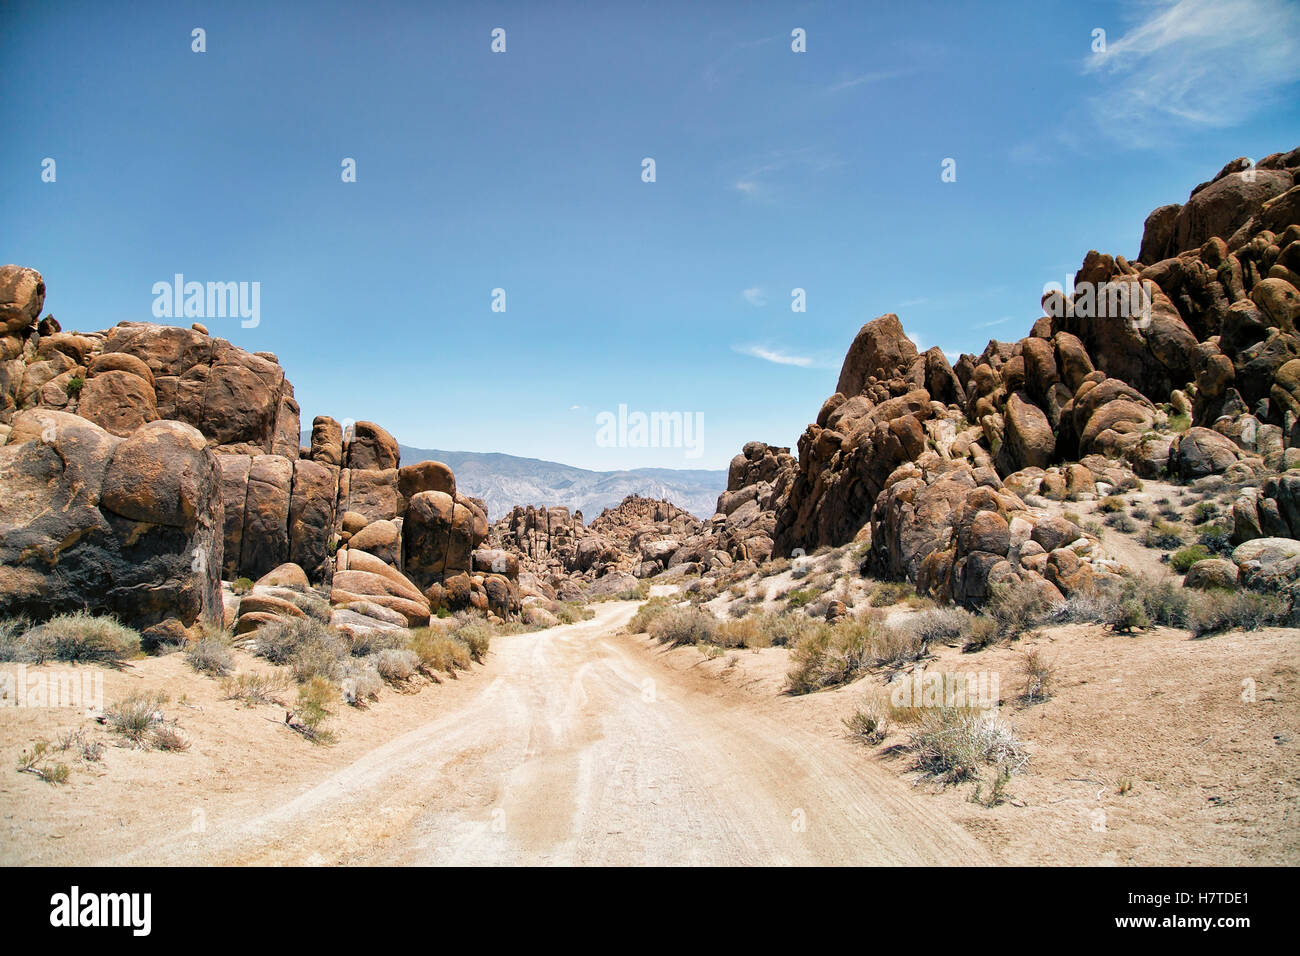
(888,593)
(315,699)
(35,760)
(1140,513)
(167,737)
(747,632)
(76,740)
(1216,538)
(137,716)
(1111,504)
(868,723)
(829,655)
(312,648)
(786,629)
(477,636)
(1039,675)
(439,652)
(1163,535)
(1121,523)
(684,625)
(253,688)
(81,638)
(647,612)
(370,642)
(361,681)
(800,597)
(777,566)
(571,612)
(1212,612)
(1183,559)
(951,743)
(1204,511)
(74,386)
(241,585)
(949,625)
(1180,422)
(1016,607)
(1094,528)
(396,666)
(209,656)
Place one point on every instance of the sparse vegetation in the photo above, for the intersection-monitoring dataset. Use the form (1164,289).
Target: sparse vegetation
(1163,534)
(76,740)
(311,647)
(396,666)
(209,656)
(253,688)
(888,593)
(316,697)
(78,638)
(868,723)
(139,719)
(1039,675)
(439,652)
(684,625)
(950,744)
(35,760)
(1212,612)
(241,585)
(1111,504)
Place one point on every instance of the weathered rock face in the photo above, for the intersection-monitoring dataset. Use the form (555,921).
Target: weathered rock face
(439,535)
(130,526)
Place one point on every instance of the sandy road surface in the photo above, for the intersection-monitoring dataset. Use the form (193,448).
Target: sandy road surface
(582,748)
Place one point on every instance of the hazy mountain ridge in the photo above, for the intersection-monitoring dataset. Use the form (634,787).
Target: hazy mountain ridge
(504,481)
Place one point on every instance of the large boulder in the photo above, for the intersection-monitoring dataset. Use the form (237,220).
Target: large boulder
(130,527)
(1200,452)
(880,350)
(22,294)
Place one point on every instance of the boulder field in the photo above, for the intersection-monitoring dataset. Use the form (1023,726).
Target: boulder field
(143,464)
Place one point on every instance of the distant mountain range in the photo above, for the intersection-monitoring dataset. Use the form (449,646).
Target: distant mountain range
(504,481)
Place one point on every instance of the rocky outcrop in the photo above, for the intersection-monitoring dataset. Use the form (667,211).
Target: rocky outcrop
(89,519)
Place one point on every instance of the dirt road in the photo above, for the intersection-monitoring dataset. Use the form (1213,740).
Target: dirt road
(582,748)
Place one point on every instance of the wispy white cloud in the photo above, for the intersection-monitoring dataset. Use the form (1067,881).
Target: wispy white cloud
(768,355)
(911,303)
(762,177)
(755,297)
(988,325)
(861,79)
(1197,63)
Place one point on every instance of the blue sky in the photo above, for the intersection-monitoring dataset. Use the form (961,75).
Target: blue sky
(522,170)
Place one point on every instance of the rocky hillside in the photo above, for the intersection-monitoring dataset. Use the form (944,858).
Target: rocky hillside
(1184,363)
(503,481)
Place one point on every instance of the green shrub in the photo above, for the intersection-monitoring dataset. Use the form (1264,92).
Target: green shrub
(800,597)
(242,585)
(316,697)
(1204,511)
(1163,535)
(74,386)
(1182,559)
